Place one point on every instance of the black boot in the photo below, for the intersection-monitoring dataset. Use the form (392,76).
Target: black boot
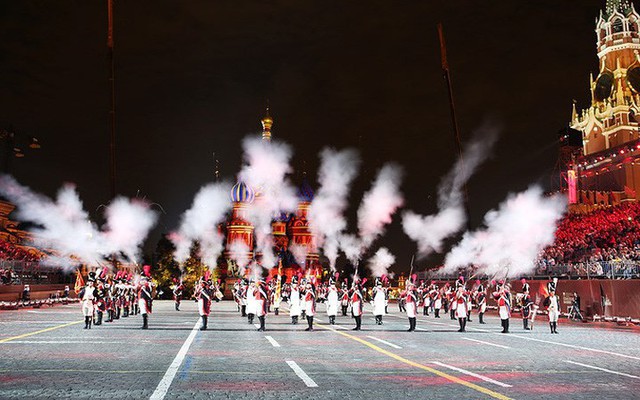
(310,322)
(262,321)
(244,310)
(332,320)
(386,309)
(250,316)
(177,307)
(344,311)
(90,321)
(525,322)
(293,320)
(110,314)
(145,321)
(424,311)
(203,326)
(464,324)
(468,318)
(437,312)
(452,314)
(275,312)
(118,313)
(99,321)
(461,322)
(358,322)
(86,322)
(555,327)
(481,316)
(506,325)
(126,312)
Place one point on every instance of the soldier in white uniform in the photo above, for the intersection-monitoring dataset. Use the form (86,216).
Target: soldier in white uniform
(294,301)
(88,297)
(411,303)
(145,300)
(332,301)
(251,301)
(553,305)
(379,301)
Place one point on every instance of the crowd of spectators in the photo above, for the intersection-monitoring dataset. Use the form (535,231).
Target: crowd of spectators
(605,242)
(12,261)
(9,251)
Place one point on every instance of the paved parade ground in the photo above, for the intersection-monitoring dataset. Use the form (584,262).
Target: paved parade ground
(45,353)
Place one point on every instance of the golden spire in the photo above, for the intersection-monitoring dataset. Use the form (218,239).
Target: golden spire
(267,122)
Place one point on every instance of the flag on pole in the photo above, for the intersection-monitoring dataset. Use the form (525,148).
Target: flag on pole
(79,282)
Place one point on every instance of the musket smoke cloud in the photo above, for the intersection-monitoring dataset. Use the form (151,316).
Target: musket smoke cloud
(429,232)
(326,213)
(380,262)
(199,223)
(64,226)
(515,234)
(379,204)
(266,170)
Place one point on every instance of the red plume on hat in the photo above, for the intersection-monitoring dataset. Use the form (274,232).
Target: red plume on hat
(364,281)
(478,281)
(493,282)
(103,274)
(523,281)
(414,277)
(207,275)
(146,270)
(461,278)
(336,275)
(269,279)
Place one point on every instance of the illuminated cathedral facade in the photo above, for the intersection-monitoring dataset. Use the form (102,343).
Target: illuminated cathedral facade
(607,169)
(287,231)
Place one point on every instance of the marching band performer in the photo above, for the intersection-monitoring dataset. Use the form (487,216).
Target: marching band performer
(503,297)
(294,301)
(261,302)
(411,303)
(251,301)
(481,300)
(145,297)
(344,298)
(332,301)
(379,301)
(526,305)
(462,300)
(178,291)
(203,295)
(310,304)
(552,302)
(88,298)
(357,303)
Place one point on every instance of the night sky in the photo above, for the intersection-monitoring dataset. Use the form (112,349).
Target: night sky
(194,77)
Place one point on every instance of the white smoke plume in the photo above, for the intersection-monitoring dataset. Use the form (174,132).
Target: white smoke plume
(299,252)
(64,226)
(266,171)
(241,254)
(128,224)
(326,213)
(379,204)
(429,232)
(199,223)
(515,234)
(351,246)
(380,262)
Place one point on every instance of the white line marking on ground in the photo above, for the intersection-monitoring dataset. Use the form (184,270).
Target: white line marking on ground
(165,383)
(464,371)
(272,341)
(395,346)
(62,342)
(257,325)
(489,343)
(572,346)
(340,326)
(602,369)
(301,374)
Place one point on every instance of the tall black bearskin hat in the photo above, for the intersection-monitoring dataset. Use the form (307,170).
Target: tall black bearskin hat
(294,280)
(332,281)
(378,282)
(552,285)
(92,276)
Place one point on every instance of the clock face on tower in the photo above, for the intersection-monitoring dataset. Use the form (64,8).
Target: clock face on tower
(633,77)
(604,86)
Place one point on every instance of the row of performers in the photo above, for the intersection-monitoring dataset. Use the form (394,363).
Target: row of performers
(459,303)
(116,296)
(256,297)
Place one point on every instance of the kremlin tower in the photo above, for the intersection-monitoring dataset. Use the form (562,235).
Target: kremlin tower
(608,171)
(287,230)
